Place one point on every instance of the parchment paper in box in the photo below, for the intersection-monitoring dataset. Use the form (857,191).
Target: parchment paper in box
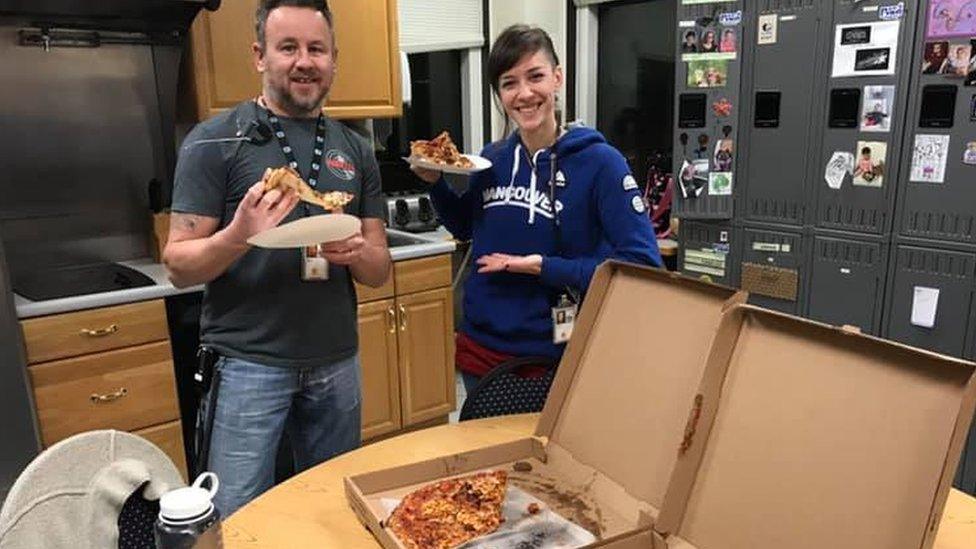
(812,436)
(608,436)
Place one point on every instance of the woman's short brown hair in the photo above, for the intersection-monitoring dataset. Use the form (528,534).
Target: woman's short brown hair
(512,45)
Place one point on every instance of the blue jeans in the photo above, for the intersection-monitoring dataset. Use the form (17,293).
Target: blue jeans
(318,407)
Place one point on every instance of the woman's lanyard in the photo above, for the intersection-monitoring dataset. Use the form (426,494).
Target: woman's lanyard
(573,296)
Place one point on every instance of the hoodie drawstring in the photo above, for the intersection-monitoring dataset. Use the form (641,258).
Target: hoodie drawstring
(515,169)
(532,180)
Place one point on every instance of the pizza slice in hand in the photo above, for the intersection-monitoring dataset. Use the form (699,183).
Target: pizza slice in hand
(287,178)
(451,512)
(440,150)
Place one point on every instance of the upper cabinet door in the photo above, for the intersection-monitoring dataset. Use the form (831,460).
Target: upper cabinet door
(221,69)
(367,84)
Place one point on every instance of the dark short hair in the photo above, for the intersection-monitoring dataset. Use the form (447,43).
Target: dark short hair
(265,7)
(866,150)
(513,44)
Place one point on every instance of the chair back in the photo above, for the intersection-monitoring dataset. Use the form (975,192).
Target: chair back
(507,390)
(95,489)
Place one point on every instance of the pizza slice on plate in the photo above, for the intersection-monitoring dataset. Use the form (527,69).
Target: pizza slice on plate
(288,178)
(450,512)
(440,150)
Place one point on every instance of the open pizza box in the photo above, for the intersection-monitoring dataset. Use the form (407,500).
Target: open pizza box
(808,436)
(607,440)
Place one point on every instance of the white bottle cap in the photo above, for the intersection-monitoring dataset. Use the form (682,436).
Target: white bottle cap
(189,503)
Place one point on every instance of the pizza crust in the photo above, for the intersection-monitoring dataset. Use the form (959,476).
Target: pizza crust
(287,178)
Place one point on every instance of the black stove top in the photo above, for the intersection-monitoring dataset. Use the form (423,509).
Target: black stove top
(78,280)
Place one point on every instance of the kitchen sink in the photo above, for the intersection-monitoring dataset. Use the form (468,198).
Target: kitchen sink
(397,239)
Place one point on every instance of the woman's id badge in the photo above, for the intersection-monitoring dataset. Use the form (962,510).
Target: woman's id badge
(563,320)
(313,267)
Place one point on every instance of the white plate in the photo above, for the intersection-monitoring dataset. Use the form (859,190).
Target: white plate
(480,163)
(308,231)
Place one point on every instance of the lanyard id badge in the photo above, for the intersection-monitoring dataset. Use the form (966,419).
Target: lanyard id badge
(314,266)
(563,320)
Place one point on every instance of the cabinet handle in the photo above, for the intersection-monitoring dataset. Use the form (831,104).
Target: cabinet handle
(102,332)
(109,397)
(403,318)
(391,318)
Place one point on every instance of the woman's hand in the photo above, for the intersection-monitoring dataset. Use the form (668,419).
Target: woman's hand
(524,264)
(428,176)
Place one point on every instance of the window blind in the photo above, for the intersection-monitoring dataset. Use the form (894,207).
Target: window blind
(435,25)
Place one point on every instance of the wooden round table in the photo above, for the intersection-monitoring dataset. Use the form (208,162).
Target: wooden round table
(310,509)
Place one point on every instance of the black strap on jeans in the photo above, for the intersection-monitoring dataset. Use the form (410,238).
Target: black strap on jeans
(208,400)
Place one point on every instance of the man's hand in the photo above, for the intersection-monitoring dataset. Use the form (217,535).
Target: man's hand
(524,264)
(259,211)
(343,252)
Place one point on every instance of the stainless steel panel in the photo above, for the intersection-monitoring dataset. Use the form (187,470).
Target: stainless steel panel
(82,137)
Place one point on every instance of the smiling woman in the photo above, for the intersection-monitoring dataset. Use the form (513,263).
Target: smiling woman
(554,204)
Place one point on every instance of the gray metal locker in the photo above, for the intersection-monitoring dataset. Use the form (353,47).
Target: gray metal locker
(707,251)
(937,197)
(781,112)
(915,313)
(773,267)
(706,111)
(864,113)
(847,281)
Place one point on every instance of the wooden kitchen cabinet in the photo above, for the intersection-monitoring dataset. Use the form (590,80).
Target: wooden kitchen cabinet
(406,342)
(105,368)
(378,360)
(220,71)
(426,345)
(124,389)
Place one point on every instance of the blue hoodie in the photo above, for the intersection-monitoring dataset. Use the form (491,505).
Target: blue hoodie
(601,215)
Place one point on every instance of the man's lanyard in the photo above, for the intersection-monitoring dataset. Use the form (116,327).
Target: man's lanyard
(313,173)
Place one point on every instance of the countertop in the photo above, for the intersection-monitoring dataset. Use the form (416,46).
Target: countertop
(427,244)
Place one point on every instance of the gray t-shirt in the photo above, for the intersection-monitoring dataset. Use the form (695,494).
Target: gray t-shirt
(260,309)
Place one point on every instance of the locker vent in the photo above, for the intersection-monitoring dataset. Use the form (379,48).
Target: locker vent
(847,253)
(709,207)
(766,6)
(700,233)
(695,11)
(941,225)
(777,211)
(935,262)
(859,219)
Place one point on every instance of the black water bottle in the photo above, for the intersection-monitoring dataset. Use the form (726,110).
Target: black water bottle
(187,517)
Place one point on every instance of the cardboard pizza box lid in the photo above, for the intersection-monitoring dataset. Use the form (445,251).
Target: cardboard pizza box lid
(813,436)
(620,399)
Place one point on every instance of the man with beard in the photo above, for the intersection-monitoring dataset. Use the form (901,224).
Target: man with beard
(283,341)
